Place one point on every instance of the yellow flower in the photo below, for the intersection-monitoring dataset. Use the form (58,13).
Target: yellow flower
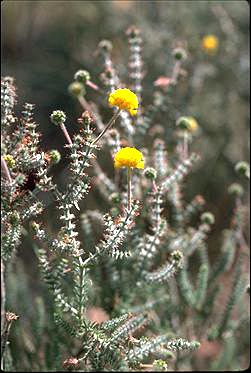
(210,43)
(129,157)
(124,99)
(9,160)
(193,124)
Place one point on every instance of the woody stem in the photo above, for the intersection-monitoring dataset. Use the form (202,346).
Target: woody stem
(129,188)
(109,125)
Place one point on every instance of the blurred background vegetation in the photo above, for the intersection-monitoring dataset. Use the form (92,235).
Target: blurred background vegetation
(45,42)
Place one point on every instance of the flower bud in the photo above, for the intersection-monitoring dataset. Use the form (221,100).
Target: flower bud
(179,54)
(236,189)
(207,217)
(183,123)
(242,168)
(150,173)
(58,117)
(106,45)
(55,156)
(34,226)
(132,32)
(177,256)
(82,76)
(76,89)
(14,218)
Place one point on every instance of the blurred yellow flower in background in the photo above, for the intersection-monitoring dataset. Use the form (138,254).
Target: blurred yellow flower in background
(129,157)
(9,160)
(124,99)
(210,43)
(193,124)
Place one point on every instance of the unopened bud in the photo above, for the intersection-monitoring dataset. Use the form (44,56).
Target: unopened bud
(106,45)
(14,218)
(243,168)
(207,217)
(150,173)
(183,123)
(177,256)
(179,54)
(236,189)
(82,76)
(76,89)
(58,117)
(34,226)
(55,156)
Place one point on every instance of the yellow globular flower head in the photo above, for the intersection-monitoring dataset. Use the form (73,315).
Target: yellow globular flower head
(124,99)
(210,43)
(129,157)
(193,124)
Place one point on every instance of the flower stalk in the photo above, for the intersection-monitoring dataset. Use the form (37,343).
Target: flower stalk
(109,125)
(129,188)
(185,145)
(67,136)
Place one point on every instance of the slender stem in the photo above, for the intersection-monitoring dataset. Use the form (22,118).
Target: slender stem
(6,170)
(129,188)
(109,125)
(84,103)
(94,86)
(185,145)
(176,71)
(67,136)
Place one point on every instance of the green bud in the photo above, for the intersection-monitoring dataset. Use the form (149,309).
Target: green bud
(207,217)
(179,54)
(132,32)
(58,117)
(106,45)
(150,173)
(183,123)
(76,89)
(14,218)
(243,168)
(34,226)
(236,189)
(177,256)
(55,156)
(82,76)
(115,198)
